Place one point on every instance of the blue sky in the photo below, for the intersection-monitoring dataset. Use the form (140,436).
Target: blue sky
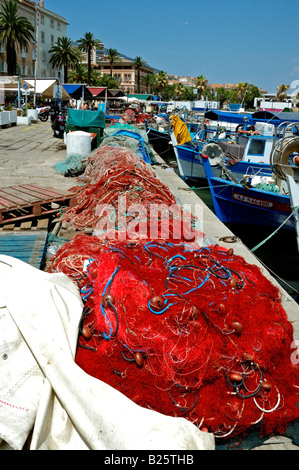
(256,41)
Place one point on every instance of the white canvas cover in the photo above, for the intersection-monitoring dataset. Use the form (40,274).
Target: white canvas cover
(42,389)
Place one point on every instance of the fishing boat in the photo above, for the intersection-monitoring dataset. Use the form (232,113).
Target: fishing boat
(246,152)
(274,202)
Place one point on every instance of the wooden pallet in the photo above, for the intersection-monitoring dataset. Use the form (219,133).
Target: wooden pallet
(26,246)
(27,202)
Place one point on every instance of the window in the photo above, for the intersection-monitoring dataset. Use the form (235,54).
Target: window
(23,53)
(1,47)
(52,23)
(42,19)
(33,54)
(42,35)
(127,77)
(58,26)
(257,147)
(52,40)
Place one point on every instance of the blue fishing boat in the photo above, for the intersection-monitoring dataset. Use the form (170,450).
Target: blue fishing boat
(245,153)
(272,203)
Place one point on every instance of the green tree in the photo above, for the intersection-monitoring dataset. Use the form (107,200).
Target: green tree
(113,57)
(161,81)
(139,63)
(78,74)
(201,84)
(105,80)
(15,31)
(180,91)
(87,44)
(149,80)
(64,55)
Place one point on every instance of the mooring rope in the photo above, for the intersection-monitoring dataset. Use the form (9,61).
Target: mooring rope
(276,230)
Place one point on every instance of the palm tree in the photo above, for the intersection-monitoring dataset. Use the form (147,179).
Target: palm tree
(241,91)
(105,80)
(201,84)
(113,57)
(87,44)
(281,94)
(150,81)
(15,31)
(139,63)
(78,74)
(64,55)
(162,81)
(179,90)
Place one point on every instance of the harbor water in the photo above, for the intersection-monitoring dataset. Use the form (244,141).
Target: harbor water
(278,252)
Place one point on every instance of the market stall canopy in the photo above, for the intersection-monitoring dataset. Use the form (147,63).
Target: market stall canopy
(77,91)
(115,93)
(12,85)
(97,92)
(141,97)
(45,88)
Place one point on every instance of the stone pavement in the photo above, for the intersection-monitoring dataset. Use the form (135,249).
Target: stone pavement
(28,155)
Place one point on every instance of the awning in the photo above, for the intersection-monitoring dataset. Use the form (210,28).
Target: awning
(46,88)
(77,91)
(115,93)
(97,91)
(141,96)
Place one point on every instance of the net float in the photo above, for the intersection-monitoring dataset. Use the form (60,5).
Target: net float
(157,302)
(220,308)
(86,332)
(139,359)
(204,429)
(266,385)
(230,252)
(106,299)
(235,377)
(233,281)
(93,273)
(248,357)
(237,327)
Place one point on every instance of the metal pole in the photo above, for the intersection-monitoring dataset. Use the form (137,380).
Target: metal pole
(36,51)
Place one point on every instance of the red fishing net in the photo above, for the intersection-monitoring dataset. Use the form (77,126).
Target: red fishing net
(197,333)
(178,327)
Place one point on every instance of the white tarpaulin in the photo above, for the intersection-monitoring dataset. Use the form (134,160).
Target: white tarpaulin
(42,389)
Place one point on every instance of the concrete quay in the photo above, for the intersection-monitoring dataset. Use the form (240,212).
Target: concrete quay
(28,155)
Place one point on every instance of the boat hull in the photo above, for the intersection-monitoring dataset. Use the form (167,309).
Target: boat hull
(240,205)
(190,166)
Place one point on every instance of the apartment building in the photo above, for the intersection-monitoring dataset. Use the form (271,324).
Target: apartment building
(49,27)
(126,74)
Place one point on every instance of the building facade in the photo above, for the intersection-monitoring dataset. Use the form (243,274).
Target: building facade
(126,74)
(48,28)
